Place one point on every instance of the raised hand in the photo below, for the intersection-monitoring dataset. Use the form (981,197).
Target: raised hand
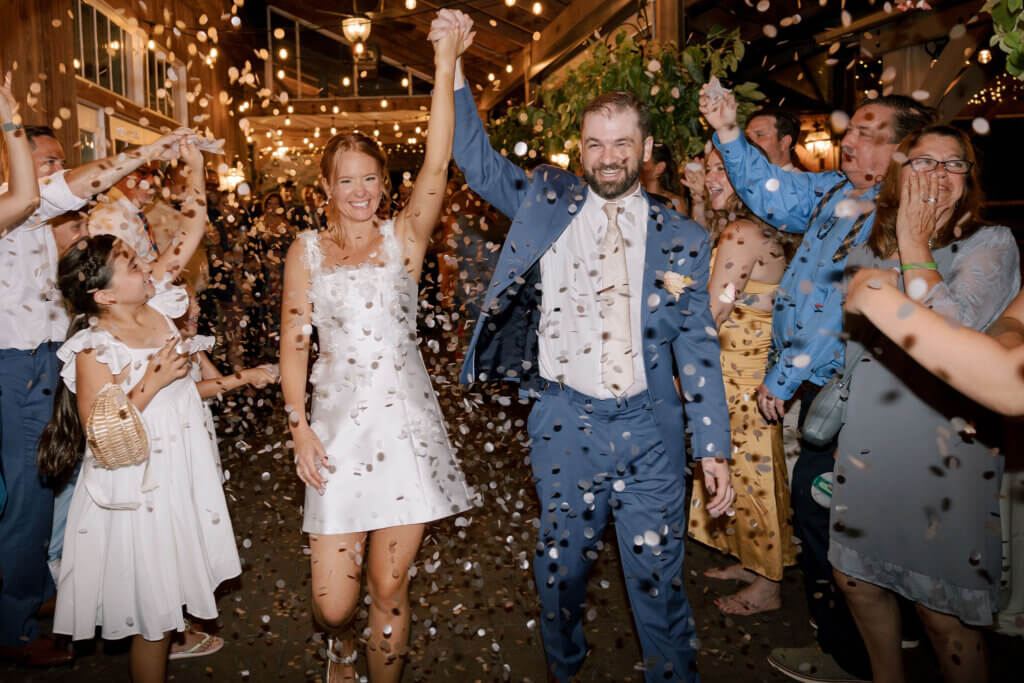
(168,147)
(717,109)
(8,103)
(455,25)
(693,178)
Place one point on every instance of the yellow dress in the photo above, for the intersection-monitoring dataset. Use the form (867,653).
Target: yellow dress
(759,535)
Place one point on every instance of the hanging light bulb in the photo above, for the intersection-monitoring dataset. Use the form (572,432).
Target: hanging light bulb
(537,8)
(282,53)
(405,82)
(359,48)
(508,68)
(410,5)
(346,81)
(510,3)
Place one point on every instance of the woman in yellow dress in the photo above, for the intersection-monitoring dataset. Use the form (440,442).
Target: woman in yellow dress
(748,262)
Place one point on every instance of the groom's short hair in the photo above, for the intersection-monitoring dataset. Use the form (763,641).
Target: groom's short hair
(613,102)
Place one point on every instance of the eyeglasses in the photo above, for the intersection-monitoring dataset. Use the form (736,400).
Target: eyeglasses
(927,165)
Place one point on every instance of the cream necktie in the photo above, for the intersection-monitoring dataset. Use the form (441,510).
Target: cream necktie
(616,346)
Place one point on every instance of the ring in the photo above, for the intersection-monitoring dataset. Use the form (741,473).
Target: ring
(931,200)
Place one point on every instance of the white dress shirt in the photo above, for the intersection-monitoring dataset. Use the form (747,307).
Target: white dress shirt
(570,329)
(31,308)
(117,215)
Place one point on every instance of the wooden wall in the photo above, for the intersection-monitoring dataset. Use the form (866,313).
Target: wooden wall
(41,45)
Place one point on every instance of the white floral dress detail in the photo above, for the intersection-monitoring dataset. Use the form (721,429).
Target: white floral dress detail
(374,409)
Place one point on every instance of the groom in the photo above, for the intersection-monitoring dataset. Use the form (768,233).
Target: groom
(598,301)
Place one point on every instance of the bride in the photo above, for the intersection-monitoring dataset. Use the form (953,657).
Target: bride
(374,456)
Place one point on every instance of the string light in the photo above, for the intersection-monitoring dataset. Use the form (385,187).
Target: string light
(537,8)
(346,81)
(359,48)
(405,82)
(282,53)
(510,3)
(508,68)
(410,5)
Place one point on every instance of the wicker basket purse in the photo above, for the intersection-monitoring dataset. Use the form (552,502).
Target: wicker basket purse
(115,432)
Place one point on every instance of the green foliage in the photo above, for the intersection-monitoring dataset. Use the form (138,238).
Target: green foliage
(1008,27)
(666,78)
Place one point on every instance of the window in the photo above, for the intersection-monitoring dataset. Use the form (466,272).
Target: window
(91,136)
(101,49)
(161,79)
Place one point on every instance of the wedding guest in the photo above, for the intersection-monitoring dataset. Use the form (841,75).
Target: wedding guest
(597,290)
(374,456)
(120,212)
(660,179)
(775,131)
(748,261)
(835,212)
(33,323)
(917,469)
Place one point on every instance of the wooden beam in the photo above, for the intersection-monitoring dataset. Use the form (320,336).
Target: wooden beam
(920,27)
(570,28)
(968,84)
(87,90)
(668,21)
(947,68)
(360,104)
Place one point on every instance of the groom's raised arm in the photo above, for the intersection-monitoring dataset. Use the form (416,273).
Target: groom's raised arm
(488,173)
(698,358)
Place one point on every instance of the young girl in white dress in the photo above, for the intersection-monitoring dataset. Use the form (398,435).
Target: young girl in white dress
(375,456)
(142,541)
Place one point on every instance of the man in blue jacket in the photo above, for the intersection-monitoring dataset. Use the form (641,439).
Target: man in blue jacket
(599,298)
(835,212)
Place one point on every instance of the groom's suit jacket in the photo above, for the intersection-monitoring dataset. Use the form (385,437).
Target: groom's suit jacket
(679,334)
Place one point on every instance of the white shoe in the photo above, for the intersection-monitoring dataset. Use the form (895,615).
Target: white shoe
(809,665)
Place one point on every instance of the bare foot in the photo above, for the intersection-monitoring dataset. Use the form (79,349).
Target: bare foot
(762,595)
(734,572)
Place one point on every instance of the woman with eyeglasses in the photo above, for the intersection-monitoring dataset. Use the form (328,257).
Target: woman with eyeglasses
(915,508)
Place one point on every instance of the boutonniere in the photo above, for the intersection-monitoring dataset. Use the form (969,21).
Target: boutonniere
(676,283)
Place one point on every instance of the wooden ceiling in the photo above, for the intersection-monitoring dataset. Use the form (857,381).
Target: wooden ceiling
(797,49)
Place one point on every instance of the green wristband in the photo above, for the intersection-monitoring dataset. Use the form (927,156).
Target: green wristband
(930,265)
(10,126)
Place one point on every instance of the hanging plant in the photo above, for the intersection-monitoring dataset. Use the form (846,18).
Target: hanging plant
(666,78)
(1008,27)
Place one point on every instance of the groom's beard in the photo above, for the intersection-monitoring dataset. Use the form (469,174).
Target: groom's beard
(611,189)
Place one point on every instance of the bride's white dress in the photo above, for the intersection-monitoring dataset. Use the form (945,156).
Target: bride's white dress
(374,409)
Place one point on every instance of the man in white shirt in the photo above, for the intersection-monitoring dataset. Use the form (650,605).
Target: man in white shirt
(599,292)
(33,323)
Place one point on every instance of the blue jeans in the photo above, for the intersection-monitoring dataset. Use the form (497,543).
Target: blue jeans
(27,383)
(592,460)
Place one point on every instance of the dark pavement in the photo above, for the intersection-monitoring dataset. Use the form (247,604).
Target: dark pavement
(475,609)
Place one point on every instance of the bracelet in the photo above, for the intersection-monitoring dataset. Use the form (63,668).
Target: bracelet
(930,265)
(11,126)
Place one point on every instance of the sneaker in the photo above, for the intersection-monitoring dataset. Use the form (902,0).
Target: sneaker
(809,665)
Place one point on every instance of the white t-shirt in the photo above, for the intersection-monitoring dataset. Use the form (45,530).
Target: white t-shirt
(31,308)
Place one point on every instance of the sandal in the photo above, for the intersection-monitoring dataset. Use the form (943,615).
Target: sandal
(336,660)
(206,645)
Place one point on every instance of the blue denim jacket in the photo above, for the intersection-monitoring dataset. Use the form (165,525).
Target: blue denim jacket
(808,315)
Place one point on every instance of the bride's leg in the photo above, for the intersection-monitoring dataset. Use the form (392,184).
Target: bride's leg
(392,552)
(337,564)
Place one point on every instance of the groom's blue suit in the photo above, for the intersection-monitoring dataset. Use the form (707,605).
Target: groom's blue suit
(594,457)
